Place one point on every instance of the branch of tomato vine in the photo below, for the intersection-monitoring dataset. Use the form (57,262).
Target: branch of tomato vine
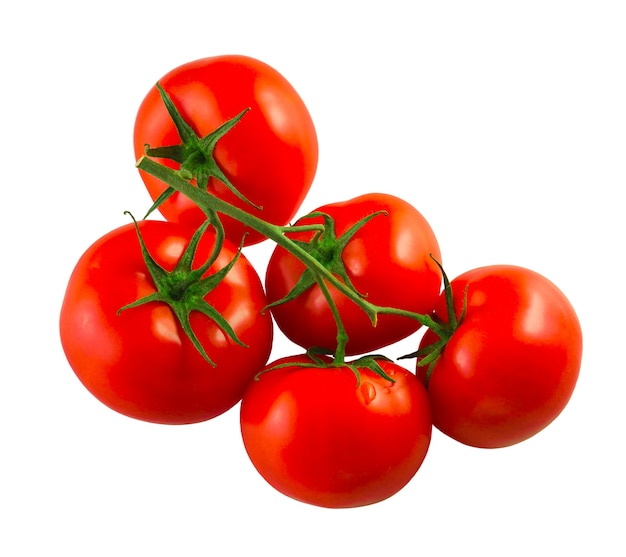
(321,255)
(210,203)
(342,336)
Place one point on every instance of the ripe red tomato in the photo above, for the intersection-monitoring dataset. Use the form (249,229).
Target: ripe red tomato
(140,362)
(270,155)
(319,437)
(511,366)
(388,261)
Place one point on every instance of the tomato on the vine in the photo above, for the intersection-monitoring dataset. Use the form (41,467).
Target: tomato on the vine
(270,156)
(511,366)
(140,361)
(390,261)
(319,436)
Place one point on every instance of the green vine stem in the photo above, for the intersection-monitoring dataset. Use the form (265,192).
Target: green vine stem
(342,336)
(210,203)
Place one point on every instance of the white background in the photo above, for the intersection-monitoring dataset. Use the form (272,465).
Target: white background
(504,123)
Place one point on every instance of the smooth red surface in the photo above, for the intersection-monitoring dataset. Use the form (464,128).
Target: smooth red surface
(270,155)
(511,366)
(317,436)
(388,261)
(140,362)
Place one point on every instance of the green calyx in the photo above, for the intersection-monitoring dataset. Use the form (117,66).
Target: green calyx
(194,154)
(183,289)
(429,354)
(327,249)
(371,362)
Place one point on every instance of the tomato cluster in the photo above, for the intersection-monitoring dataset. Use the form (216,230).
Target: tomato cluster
(165,320)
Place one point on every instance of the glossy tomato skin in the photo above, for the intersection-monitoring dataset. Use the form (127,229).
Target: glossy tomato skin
(270,155)
(317,436)
(388,260)
(140,363)
(511,366)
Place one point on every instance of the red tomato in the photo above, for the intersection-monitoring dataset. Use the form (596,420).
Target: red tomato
(140,362)
(317,436)
(270,155)
(388,261)
(511,366)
